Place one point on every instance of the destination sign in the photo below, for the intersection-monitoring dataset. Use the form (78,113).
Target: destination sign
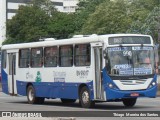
(129,40)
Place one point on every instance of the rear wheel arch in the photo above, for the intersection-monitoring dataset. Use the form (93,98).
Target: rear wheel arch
(31,95)
(28,84)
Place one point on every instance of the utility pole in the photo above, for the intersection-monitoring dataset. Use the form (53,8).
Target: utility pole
(2,21)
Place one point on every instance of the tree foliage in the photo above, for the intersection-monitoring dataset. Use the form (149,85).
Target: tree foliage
(28,25)
(124,16)
(146,17)
(109,17)
(62,25)
(85,8)
(41,19)
(37,20)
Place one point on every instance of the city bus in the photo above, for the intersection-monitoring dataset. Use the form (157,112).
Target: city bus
(89,68)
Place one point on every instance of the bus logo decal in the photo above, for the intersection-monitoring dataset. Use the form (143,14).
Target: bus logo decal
(38,77)
(29,76)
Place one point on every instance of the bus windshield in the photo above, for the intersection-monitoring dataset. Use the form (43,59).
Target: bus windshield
(127,61)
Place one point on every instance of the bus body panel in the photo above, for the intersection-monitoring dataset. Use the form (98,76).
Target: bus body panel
(54,90)
(56,82)
(4,81)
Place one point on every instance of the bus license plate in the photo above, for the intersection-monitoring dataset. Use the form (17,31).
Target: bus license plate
(134,94)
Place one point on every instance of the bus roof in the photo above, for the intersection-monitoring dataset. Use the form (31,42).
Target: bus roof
(75,40)
(52,43)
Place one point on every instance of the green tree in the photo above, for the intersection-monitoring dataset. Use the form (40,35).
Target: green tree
(62,25)
(109,17)
(38,20)
(149,25)
(121,16)
(145,16)
(29,24)
(85,8)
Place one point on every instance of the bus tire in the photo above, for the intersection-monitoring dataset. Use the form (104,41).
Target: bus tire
(129,102)
(68,100)
(40,100)
(31,96)
(84,98)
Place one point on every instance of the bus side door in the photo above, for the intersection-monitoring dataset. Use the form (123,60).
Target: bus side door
(12,73)
(97,53)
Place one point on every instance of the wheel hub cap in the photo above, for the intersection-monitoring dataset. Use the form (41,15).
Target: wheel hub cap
(31,95)
(85,97)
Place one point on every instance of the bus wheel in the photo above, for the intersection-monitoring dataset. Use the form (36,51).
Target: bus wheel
(40,100)
(84,98)
(68,100)
(32,99)
(130,102)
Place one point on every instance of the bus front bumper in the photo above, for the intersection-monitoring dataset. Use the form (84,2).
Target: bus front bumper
(114,94)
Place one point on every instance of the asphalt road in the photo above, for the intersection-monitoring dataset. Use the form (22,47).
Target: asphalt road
(19,103)
(13,103)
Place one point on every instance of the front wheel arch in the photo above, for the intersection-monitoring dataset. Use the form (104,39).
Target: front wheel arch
(129,102)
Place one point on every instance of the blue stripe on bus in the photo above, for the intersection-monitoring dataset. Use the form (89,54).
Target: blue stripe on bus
(53,89)
(70,90)
(4,81)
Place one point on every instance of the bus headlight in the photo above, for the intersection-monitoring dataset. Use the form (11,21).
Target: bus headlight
(153,83)
(110,85)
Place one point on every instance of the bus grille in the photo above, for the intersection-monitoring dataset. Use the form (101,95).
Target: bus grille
(133,82)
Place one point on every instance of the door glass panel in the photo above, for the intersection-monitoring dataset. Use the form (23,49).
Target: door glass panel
(12,64)
(98,67)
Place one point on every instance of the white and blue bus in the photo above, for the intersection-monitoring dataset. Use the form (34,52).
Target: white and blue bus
(95,68)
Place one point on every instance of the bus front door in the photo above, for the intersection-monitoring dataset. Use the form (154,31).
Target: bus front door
(98,68)
(12,73)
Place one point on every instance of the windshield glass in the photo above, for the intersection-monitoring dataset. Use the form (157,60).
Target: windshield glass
(127,61)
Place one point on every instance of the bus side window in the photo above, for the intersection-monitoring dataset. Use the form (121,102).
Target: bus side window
(36,57)
(82,55)
(50,56)
(24,58)
(66,56)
